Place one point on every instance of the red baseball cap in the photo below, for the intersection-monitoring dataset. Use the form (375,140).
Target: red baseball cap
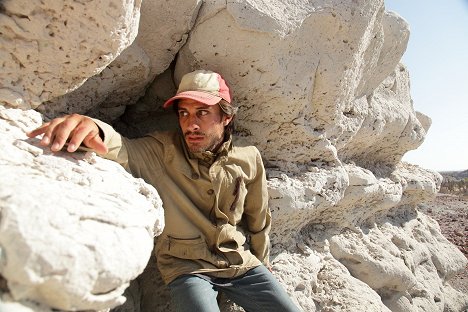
(203,86)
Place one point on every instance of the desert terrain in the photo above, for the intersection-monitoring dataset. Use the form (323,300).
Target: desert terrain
(450,210)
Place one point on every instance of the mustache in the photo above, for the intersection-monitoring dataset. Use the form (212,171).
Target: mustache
(194,133)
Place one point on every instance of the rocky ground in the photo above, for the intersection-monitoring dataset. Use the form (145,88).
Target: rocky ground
(451,212)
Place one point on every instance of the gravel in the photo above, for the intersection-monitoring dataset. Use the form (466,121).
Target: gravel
(451,212)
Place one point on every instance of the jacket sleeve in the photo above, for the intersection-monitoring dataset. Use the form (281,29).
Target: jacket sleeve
(114,142)
(136,155)
(257,213)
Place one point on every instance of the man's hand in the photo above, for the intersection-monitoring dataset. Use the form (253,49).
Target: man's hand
(76,129)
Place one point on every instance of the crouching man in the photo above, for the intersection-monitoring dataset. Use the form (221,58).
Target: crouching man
(214,194)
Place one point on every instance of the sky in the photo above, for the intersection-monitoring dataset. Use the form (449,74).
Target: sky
(437,61)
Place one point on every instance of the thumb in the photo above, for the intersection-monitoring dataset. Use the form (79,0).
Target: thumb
(97,144)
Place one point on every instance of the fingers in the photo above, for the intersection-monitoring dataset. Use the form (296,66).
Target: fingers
(59,131)
(38,131)
(81,131)
(76,129)
(96,144)
(48,129)
(87,132)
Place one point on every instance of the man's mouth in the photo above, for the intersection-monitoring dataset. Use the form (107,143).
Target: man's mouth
(194,137)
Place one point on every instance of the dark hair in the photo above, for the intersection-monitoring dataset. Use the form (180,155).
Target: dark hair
(230,111)
(226,108)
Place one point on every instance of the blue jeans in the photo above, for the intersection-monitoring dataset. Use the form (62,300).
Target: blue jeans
(256,290)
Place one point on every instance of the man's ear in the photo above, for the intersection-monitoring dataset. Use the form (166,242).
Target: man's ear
(226,120)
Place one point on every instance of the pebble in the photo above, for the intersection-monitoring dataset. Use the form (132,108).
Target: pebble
(300,287)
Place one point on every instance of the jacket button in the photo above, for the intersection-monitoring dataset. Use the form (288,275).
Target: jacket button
(210,192)
(195,176)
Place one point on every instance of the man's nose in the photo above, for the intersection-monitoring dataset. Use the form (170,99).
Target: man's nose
(193,123)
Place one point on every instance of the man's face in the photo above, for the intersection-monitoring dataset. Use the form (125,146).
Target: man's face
(202,125)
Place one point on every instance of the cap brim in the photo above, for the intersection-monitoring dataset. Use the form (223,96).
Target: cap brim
(202,97)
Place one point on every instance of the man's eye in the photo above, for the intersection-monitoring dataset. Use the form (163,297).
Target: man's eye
(203,112)
(182,114)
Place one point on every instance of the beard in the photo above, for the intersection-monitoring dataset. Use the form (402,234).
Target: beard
(207,142)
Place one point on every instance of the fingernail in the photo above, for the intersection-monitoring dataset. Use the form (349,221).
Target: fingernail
(71,147)
(45,140)
(55,147)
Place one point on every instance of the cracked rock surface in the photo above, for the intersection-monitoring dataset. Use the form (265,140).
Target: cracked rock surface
(75,229)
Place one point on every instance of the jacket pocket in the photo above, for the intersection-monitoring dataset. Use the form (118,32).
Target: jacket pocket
(191,249)
(185,248)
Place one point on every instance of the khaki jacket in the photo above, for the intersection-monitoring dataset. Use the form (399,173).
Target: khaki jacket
(216,207)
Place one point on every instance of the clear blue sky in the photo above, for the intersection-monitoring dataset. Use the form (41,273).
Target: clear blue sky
(437,60)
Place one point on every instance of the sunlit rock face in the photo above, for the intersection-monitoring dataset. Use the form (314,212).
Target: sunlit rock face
(75,228)
(312,83)
(162,30)
(321,92)
(50,48)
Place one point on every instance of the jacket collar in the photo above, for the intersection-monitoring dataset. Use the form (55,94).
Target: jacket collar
(207,158)
(187,163)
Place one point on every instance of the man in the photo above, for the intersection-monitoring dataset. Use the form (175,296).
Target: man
(214,195)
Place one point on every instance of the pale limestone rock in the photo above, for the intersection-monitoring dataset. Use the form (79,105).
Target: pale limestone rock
(382,127)
(8,304)
(297,201)
(412,286)
(106,95)
(373,230)
(395,32)
(419,185)
(163,30)
(453,300)
(325,195)
(297,272)
(303,68)
(75,228)
(50,48)
(339,291)
(368,259)
(425,121)
(422,247)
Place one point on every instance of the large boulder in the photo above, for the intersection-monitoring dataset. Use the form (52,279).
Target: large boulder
(163,29)
(75,228)
(107,94)
(306,83)
(49,48)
